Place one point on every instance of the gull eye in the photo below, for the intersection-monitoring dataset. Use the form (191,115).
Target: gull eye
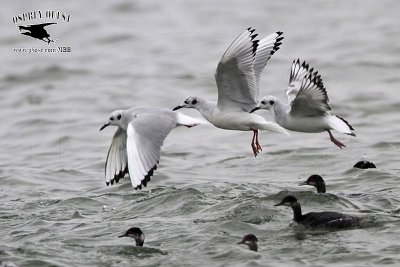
(111,118)
(194,102)
(119,117)
(271,102)
(263,102)
(186,101)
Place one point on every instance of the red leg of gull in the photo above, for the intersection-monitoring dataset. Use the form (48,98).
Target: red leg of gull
(254,143)
(335,141)
(259,148)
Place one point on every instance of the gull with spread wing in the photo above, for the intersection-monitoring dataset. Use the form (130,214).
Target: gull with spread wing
(308,109)
(237,77)
(136,145)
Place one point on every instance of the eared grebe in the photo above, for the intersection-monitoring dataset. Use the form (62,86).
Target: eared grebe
(251,241)
(326,219)
(137,234)
(364,164)
(316,181)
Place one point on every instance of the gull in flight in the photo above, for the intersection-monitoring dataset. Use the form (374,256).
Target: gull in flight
(237,77)
(136,145)
(308,109)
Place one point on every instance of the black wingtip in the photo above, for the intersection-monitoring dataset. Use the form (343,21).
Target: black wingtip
(251,30)
(253,36)
(118,176)
(348,124)
(147,177)
(139,187)
(255,46)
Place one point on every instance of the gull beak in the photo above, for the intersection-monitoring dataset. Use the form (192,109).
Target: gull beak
(177,107)
(279,204)
(122,235)
(241,242)
(104,126)
(254,109)
(303,183)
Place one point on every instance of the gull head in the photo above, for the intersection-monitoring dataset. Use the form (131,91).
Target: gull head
(190,102)
(267,102)
(116,118)
(136,234)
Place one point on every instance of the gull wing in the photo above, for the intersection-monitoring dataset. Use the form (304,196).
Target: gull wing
(266,48)
(116,163)
(311,99)
(298,73)
(235,78)
(145,136)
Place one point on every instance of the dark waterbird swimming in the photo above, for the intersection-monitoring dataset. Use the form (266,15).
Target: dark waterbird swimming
(326,219)
(317,181)
(135,233)
(251,241)
(364,164)
(37,31)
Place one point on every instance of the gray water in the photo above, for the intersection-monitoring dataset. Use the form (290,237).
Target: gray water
(209,190)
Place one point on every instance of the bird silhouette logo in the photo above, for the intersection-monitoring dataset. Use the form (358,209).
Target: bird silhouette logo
(37,31)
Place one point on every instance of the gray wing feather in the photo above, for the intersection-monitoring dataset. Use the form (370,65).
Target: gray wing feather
(146,135)
(235,77)
(298,73)
(266,48)
(116,163)
(312,98)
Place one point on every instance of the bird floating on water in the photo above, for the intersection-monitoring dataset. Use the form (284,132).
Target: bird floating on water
(308,109)
(251,241)
(317,181)
(237,77)
(364,164)
(137,234)
(326,219)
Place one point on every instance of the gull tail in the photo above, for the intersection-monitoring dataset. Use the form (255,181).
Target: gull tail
(341,125)
(184,120)
(273,127)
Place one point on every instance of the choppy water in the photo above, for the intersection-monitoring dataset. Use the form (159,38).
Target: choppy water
(209,190)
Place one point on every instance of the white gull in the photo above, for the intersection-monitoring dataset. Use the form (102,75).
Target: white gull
(237,77)
(136,145)
(308,109)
